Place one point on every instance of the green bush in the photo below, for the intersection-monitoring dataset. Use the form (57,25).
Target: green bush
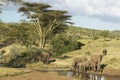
(18,56)
(61,44)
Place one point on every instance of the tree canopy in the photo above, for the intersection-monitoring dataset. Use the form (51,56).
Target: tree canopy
(46,22)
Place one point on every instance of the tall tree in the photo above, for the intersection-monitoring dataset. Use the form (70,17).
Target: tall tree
(46,22)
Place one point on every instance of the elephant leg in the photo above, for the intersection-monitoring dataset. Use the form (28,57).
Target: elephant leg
(89,68)
(98,67)
(84,69)
(73,71)
(94,68)
(78,71)
(81,69)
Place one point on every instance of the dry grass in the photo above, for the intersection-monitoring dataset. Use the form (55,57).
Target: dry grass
(112,59)
(35,75)
(96,47)
(4,71)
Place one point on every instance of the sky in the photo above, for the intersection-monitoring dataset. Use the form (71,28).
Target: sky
(94,14)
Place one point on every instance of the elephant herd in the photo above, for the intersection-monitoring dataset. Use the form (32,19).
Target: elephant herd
(83,64)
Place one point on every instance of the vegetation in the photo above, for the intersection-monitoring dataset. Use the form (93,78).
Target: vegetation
(84,33)
(11,71)
(61,44)
(49,28)
(17,55)
(45,22)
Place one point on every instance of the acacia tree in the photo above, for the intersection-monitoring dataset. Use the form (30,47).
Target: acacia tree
(45,21)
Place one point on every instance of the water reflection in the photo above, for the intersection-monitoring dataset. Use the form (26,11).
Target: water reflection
(96,77)
(90,76)
(103,77)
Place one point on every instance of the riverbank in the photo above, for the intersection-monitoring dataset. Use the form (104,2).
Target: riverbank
(35,75)
(110,72)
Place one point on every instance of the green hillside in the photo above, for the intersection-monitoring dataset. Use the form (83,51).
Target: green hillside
(85,33)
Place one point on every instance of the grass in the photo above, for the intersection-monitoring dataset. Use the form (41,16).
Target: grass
(4,71)
(37,66)
(112,59)
(40,66)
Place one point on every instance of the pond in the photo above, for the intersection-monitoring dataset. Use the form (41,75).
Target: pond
(87,76)
(102,77)
(91,76)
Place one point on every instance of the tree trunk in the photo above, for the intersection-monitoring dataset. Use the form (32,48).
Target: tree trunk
(42,42)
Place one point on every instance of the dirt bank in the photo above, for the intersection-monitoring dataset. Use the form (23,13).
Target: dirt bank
(37,76)
(110,72)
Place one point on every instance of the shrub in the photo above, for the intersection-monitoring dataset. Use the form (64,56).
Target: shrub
(62,44)
(18,56)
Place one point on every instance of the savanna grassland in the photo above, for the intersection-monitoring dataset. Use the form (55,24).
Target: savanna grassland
(47,41)
(112,59)
(93,44)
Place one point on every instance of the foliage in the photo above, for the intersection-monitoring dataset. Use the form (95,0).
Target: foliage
(82,33)
(104,34)
(46,22)
(17,55)
(62,44)
(16,33)
(85,33)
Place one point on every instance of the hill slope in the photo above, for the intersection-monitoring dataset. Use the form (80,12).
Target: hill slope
(80,33)
(112,59)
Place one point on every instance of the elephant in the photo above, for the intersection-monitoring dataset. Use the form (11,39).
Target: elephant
(43,56)
(96,60)
(79,59)
(75,67)
(86,65)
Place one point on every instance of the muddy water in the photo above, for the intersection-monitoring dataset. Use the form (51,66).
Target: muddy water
(88,76)
(91,76)
(102,77)
(112,77)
